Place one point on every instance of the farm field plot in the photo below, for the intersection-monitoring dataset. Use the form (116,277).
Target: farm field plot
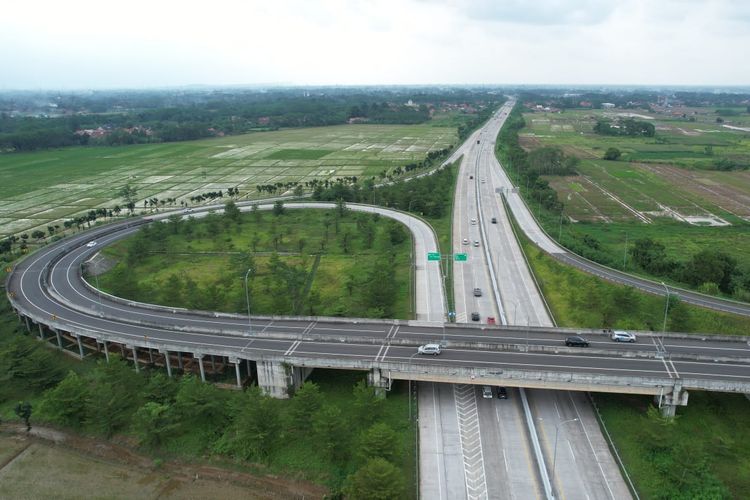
(668,176)
(43,188)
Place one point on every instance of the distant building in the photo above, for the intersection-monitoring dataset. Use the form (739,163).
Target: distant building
(607,105)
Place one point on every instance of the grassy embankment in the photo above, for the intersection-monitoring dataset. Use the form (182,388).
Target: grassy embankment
(706,450)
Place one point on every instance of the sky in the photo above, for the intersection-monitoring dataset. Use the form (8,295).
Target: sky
(84,44)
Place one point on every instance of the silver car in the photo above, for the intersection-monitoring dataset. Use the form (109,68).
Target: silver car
(622,336)
(433,349)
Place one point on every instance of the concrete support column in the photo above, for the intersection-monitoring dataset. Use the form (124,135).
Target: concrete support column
(106,350)
(376,379)
(135,359)
(237,370)
(668,403)
(41,331)
(59,339)
(213,364)
(167,363)
(200,364)
(28,325)
(150,356)
(179,359)
(278,379)
(80,346)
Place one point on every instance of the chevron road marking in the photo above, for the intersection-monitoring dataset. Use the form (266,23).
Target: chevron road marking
(471,442)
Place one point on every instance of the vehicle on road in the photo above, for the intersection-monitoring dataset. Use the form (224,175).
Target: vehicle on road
(502,392)
(91,244)
(433,349)
(477,292)
(482,181)
(473,222)
(486,392)
(576,341)
(476,243)
(466,241)
(471,177)
(622,336)
(475,316)
(491,320)
(494,220)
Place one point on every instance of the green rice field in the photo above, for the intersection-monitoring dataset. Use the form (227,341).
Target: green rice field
(44,188)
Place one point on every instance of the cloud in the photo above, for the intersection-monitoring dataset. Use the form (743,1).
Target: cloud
(538,12)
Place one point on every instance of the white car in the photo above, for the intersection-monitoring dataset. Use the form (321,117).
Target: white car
(433,349)
(466,241)
(91,244)
(622,336)
(473,222)
(476,243)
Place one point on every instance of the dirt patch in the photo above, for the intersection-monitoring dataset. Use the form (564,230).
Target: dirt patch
(100,264)
(48,462)
(529,142)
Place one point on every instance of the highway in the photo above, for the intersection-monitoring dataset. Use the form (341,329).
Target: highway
(498,266)
(47,288)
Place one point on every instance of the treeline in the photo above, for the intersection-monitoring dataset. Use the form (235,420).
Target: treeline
(529,167)
(628,127)
(710,271)
(167,117)
(354,441)
(428,195)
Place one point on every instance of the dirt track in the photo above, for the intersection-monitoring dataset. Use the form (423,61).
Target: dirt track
(50,463)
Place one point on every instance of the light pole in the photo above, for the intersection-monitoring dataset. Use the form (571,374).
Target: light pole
(554,454)
(410,377)
(666,310)
(247,299)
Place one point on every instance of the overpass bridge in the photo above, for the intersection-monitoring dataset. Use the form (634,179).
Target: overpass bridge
(49,294)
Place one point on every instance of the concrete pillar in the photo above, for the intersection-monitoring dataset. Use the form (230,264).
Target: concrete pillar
(669,402)
(376,379)
(59,340)
(200,364)
(135,359)
(248,367)
(150,356)
(28,325)
(166,362)
(179,359)
(80,346)
(106,351)
(237,372)
(41,331)
(278,379)
(213,365)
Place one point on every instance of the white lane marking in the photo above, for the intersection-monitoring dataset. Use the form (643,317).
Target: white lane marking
(591,445)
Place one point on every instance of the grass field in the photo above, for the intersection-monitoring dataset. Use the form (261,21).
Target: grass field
(668,176)
(211,259)
(44,188)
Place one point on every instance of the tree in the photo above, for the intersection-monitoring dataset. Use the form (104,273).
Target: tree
(232,212)
(650,255)
(23,410)
(66,403)
(378,479)
(306,402)
(278,208)
(612,154)
(379,441)
(129,193)
(255,428)
(154,423)
(332,433)
(298,190)
(367,403)
(712,266)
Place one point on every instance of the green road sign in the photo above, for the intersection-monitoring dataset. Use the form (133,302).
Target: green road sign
(460,257)
(433,255)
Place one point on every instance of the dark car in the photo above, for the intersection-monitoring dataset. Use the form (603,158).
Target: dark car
(502,392)
(477,292)
(475,316)
(576,341)
(494,220)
